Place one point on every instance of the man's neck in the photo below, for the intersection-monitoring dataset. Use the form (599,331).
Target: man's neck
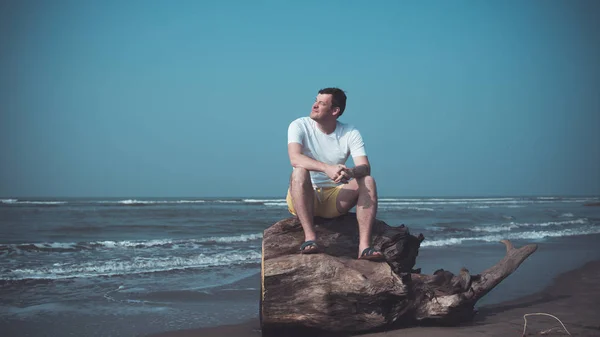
(327,126)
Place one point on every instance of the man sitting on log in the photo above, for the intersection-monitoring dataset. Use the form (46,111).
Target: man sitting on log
(320,184)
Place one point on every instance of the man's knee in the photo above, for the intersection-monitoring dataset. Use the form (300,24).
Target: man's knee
(300,176)
(366,181)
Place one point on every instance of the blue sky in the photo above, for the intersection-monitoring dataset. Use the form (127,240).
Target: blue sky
(193,98)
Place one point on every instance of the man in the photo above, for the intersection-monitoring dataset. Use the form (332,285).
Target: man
(321,184)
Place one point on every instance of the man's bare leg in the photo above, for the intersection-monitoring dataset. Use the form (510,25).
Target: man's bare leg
(303,197)
(366,210)
(362,193)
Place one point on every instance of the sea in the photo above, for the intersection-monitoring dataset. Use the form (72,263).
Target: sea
(137,266)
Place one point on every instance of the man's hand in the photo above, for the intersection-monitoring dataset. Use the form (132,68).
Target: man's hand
(341,174)
(348,173)
(344,176)
(335,172)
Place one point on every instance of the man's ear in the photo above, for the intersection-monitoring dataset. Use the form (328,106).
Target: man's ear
(336,111)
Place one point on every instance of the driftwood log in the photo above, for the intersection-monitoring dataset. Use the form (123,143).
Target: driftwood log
(333,291)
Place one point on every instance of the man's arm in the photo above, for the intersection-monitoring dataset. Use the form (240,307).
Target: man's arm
(297,159)
(362,167)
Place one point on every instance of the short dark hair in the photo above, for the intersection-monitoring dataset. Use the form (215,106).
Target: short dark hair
(338,98)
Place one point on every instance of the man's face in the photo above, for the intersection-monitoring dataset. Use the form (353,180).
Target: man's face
(322,108)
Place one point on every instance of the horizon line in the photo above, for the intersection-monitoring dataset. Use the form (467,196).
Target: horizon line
(283,196)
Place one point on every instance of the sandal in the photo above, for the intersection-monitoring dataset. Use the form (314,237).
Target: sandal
(314,248)
(371,254)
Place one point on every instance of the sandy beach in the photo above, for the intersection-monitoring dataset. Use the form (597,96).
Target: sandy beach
(572,297)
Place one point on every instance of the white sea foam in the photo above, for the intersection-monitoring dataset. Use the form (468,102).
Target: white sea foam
(506,202)
(136,202)
(127,244)
(15,201)
(263,200)
(444,242)
(494,229)
(447,199)
(422,209)
(163,242)
(398,200)
(406,204)
(456,202)
(136,243)
(280,204)
(230,239)
(567,215)
(512,225)
(45,246)
(57,245)
(412,208)
(531,235)
(578,199)
(427,209)
(136,265)
(472,199)
(152,202)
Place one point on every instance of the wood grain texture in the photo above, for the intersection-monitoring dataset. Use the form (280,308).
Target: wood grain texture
(333,291)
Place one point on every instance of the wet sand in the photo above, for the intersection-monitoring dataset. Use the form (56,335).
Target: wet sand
(573,297)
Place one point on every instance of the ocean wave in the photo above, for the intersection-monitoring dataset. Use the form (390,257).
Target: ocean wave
(188,201)
(507,202)
(456,202)
(136,202)
(512,225)
(261,201)
(531,235)
(280,204)
(231,239)
(136,265)
(447,199)
(435,228)
(500,201)
(32,202)
(47,247)
(61,247)
(398,207)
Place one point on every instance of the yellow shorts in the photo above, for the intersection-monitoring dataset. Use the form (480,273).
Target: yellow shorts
(325,202)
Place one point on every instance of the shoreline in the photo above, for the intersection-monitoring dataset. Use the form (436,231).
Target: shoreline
(572,297)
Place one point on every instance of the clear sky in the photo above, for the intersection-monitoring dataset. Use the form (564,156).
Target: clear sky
(194,98)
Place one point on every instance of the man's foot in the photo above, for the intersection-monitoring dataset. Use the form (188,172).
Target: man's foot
(371,254)
(309,247)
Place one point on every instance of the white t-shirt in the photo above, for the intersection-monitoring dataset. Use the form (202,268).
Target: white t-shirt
(332,149)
